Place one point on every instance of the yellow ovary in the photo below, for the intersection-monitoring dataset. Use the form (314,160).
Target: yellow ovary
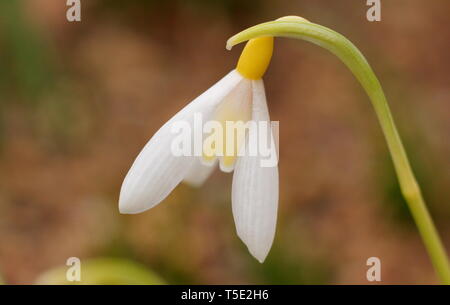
(255,57)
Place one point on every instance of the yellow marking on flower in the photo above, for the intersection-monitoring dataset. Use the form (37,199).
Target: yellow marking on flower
(234,112)
(255,57)
(209,152)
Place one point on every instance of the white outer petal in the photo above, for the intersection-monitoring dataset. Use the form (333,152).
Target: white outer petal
(255,191)
(156,171)
(199,172)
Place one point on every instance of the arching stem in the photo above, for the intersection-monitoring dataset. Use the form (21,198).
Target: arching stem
(355,61)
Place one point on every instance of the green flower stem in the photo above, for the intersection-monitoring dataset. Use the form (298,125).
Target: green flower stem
(355,61)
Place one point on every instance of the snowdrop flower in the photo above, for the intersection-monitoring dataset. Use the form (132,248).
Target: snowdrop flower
(239,96)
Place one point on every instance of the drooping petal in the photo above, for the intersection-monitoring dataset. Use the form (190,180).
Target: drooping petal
(156,170)
(255,185)
(199,172)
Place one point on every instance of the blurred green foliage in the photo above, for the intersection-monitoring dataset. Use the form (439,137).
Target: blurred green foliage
(31,78)
(26,69)
(103,271)
(299,271)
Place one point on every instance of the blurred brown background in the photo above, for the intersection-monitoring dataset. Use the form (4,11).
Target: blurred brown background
(79,100)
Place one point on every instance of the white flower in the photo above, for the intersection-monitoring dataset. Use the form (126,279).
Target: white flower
(239,96)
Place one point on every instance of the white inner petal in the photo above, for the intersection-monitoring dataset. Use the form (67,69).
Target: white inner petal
(231,115)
